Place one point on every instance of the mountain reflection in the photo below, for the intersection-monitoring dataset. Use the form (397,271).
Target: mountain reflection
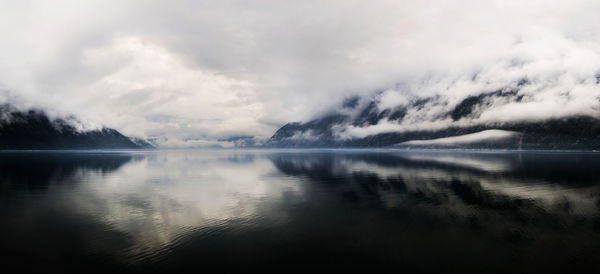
(34,171)
(301,210)
(546,178)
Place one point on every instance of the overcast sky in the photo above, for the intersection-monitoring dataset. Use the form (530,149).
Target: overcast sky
(198,71)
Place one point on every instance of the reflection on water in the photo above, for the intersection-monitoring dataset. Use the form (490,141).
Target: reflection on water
(300,211)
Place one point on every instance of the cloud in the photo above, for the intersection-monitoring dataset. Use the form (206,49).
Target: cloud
(175,99)
(482,136)
(208,70)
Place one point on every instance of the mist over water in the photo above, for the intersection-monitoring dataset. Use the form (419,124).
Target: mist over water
(300,210)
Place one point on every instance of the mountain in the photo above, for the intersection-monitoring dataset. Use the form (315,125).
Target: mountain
(33,129)
(434,122)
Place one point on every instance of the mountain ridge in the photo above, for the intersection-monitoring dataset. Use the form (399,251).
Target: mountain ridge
(577,131)
(33,130)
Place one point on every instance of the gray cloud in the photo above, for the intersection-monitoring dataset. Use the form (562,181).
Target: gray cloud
(209,70)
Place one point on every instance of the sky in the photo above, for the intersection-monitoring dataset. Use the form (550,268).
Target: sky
(191,73)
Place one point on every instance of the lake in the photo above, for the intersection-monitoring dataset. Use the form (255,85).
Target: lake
(300,211)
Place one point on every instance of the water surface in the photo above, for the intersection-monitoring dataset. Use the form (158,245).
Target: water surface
(300,210)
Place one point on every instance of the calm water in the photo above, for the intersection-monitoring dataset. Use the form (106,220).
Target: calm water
(316,210)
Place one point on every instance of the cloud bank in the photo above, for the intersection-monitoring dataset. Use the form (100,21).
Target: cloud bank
(197,72)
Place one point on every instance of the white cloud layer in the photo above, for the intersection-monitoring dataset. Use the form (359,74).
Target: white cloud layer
(198,71)
(490,135)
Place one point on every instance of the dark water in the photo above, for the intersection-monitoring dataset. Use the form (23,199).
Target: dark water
(308,211)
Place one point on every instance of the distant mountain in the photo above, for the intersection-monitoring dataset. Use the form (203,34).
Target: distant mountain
(242,141)
(33,129)
(406,125)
